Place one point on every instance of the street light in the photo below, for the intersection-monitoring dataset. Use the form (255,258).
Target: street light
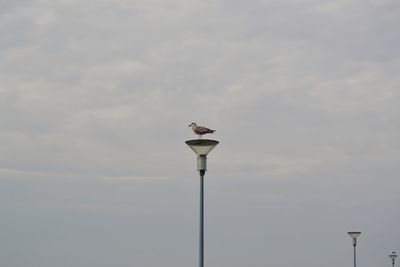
(201,147)
(393,257)
(354,235)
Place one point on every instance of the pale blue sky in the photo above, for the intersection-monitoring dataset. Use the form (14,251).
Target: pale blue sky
(96,96)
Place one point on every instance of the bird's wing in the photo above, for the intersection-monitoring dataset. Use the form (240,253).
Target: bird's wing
(201,129)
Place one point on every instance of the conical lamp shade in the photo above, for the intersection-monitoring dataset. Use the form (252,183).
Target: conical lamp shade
(202,146)
(354,234)
(393,256)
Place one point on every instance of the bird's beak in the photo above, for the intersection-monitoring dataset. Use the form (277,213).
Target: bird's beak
(189,125)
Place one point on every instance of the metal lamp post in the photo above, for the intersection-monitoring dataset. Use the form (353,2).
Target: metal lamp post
(201,147)
(393,257)
(354,236)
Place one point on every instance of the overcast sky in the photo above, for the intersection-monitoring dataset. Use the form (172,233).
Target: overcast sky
(96,97)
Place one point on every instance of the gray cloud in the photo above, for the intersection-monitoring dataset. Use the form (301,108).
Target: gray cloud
(95,99)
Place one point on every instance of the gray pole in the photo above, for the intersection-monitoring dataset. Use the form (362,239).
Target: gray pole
(354,236)
(201,237)
(201,147)
(354,254)
(393,257)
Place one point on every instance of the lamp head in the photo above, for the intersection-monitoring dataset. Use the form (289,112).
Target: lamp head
(202,146)
(354,234)
(393,255)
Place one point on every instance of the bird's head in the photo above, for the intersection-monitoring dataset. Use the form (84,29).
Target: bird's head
(192,124)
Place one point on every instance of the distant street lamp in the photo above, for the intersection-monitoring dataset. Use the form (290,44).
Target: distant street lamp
(354,236)
(393,257)
(201,147)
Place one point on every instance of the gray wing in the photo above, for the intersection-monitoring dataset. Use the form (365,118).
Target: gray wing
(201,129)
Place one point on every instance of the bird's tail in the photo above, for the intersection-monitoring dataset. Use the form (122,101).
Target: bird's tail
(211,131)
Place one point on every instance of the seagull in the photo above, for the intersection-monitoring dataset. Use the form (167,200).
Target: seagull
(200,130)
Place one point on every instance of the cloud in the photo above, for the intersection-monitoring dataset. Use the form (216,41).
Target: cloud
(96,85)
(303,94)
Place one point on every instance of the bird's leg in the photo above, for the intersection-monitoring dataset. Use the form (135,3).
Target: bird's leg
(200,137)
